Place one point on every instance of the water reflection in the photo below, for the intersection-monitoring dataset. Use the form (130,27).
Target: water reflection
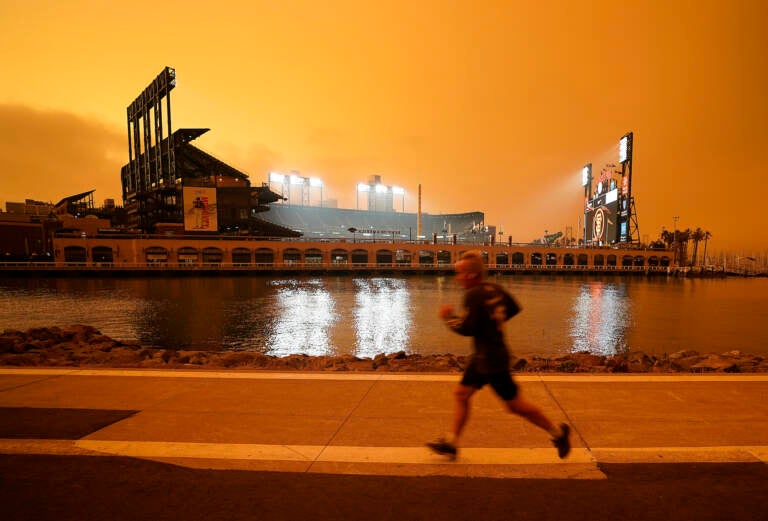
(382,316)
(600,318)
(305,316)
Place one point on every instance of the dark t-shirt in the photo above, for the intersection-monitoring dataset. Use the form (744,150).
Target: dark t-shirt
(487,307)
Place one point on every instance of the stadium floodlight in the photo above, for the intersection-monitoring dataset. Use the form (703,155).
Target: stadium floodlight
(381,189)
(398,190)
(625,148)
(315,182)
(586,174)
(362,187)
(297,180)
(275,177)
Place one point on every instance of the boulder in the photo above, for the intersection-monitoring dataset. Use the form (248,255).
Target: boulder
(715,363)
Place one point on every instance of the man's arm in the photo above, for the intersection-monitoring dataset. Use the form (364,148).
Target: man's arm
(465,324)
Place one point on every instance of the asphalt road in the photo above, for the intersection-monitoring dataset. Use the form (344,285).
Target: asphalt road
(60,488)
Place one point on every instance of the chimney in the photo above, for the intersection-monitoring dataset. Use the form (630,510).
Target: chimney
(418,216)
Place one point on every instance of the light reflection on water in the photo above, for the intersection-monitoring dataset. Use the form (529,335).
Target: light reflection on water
(366,316)
(601,315)
(382,316)
(306,314)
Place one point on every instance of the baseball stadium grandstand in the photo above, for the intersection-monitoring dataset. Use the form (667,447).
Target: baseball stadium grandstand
(317,222)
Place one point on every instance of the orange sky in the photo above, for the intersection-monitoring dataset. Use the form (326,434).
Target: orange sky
(491,105)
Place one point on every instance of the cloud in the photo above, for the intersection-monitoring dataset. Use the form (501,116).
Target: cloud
(48,155)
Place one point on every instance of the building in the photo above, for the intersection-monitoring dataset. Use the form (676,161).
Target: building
(170,184)
(29,207)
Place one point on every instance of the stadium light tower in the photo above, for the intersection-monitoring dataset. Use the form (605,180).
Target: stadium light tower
(362,187)
(315,182)
(281,180)
(396,190)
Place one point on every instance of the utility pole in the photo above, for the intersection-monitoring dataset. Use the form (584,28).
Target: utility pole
(675,218)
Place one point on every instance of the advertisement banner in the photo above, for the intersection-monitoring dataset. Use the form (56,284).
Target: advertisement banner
(200,209)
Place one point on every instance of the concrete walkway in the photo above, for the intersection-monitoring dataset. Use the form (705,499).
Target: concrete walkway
(377,423)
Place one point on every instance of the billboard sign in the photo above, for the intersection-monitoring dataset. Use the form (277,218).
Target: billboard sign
(601,218)
(200,209)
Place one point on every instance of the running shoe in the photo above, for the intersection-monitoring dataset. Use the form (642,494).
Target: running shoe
(562,442)
(441,446)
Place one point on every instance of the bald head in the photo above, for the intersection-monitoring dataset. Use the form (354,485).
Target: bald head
(470,268)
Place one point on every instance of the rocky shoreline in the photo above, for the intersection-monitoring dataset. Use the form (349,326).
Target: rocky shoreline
(84,346)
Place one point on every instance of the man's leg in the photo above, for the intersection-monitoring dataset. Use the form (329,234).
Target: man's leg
(447,444)
(560,435)
(461,397)
(530,412)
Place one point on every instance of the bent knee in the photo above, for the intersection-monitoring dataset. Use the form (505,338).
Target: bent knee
(463,393)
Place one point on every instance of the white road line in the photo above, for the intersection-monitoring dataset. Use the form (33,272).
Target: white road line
(392,455)
(429,377)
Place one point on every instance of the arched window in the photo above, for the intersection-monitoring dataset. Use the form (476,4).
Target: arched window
(264,256)
(188,256)
(102,255)
(241,256)
(339,257)
(313,256)
(212,256)
(359,258)
(156,255)
(384,258)
(291,256)
(75,255)
(426,258)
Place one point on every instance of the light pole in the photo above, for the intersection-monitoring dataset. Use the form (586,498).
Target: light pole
(314,182)
(396,190)
(362,187)
(675,218)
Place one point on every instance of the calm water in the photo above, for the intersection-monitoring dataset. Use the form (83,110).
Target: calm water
(365,316)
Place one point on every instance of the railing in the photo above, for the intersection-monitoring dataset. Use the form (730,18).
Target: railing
(294,266)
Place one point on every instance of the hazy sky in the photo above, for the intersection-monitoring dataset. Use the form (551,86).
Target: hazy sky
(492,106)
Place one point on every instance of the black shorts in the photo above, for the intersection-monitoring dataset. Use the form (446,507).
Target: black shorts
(501,383)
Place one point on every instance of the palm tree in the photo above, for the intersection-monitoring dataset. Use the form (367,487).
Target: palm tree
(683,236)
(696,236)
(707,235)
(668,237)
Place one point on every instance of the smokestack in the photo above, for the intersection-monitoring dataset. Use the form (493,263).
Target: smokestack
(418,216)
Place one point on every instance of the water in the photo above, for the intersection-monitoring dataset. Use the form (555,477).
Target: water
(364,316)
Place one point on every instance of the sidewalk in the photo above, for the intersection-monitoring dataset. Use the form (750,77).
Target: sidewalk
(377,423)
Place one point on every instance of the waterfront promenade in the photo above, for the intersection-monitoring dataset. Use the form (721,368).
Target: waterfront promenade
(372,423)
(84,443)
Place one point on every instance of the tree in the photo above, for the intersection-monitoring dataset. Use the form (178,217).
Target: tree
(668,237)
(707,235)
(683,236)
(696,236)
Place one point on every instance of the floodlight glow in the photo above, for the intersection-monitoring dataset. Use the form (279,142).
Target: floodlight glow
(362,187)
(381,189)
(274,177)
(623,148)
(585,175)
(316,182)
(397,190)
(296,180)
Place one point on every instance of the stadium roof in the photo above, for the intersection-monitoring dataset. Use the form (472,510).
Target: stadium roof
(74,198)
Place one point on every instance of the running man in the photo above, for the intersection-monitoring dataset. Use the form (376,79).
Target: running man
(487,307)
